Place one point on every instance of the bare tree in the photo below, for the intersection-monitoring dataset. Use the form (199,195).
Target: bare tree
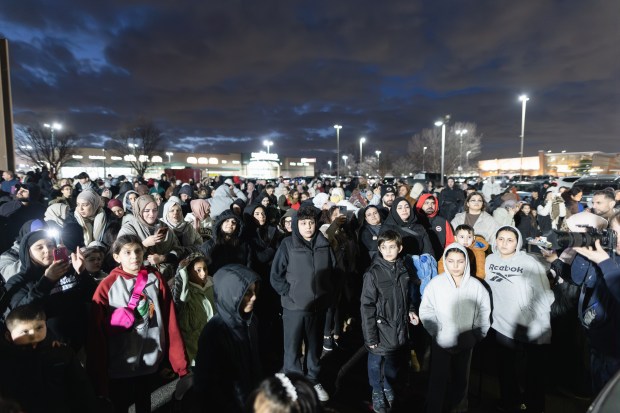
(137,144)
(460,149)
(45,146)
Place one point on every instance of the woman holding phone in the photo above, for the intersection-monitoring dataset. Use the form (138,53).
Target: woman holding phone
(162,246)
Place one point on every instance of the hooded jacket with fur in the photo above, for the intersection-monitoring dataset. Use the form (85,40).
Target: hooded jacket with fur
(522,297)
(456,317)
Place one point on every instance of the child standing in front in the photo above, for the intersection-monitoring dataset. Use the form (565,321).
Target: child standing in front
(386,310)
(123,362)
(456,312)
(477,249)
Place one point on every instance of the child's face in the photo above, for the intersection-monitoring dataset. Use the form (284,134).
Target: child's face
(390,250)
(506,243)
(465,238)
(247,302)
(198,272)
(526,209)
(28,332)
(130,258)
(93,262)
(455,263)
(41,252)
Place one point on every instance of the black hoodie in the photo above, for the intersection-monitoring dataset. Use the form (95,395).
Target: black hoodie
(227,363)
(222,253)
(66,301)
(415,238)
(302,271)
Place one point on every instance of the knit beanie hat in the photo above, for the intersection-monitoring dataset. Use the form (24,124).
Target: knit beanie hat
(387,189)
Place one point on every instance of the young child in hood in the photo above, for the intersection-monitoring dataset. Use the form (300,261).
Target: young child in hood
(477,249)
(123,363)
(194,300)
(522,301)
(455,310)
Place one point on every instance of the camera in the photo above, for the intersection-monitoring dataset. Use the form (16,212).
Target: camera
(561,240)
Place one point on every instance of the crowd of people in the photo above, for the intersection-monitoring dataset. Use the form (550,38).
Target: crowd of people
(240,287)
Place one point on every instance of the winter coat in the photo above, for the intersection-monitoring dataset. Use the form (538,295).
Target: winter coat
(485,225)
(65,301)
(195,306)
(222,253)
(456,317)
(385,306)
(223,198)
(415,238)
(228,363)
(522,297)
(476,253)
(438,228)
(302,272)
(140,350)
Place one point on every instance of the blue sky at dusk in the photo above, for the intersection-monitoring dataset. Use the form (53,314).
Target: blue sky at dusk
(222,76)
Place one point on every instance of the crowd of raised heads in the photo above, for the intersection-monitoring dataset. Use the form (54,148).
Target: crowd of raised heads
(243,288)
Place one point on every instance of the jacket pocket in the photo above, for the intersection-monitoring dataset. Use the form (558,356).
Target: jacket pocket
(388,336)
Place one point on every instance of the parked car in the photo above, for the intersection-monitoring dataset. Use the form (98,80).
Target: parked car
(566,181)
(591,184)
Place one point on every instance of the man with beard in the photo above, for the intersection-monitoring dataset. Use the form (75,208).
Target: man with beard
(15,213)
(388,194)
(438,228)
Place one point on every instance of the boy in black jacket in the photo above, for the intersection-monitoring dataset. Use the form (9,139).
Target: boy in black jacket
(301,273)
(41,375)
(386,310)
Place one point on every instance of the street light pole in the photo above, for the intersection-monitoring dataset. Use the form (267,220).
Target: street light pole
(467,159)
(54,126)
(104,174)
(523,99)
(442,123)
(330,166)
(338,127)
(378,161)
(362,141)
(424,157)
(461,132)
(268,145)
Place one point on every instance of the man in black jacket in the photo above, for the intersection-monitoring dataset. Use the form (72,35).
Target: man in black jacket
(302,274)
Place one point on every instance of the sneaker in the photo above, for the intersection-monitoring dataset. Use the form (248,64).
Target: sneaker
(320,391)
(389,396)
(328,343)
(378,402)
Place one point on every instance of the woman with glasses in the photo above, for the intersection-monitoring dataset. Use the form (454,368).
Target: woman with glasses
(476,217)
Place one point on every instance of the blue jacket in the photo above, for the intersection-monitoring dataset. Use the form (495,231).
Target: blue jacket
(599,302)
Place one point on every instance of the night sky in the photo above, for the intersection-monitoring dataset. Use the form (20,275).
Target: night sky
(222,76)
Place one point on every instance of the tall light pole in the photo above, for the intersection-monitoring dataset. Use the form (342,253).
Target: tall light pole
(442,123)
(268,145)
(104,174)
(338,127)
(169,154)
(330,166)
(378,161)
(53,127)
(523,99)
(461,132)
(362,141)
(467,159)
(344,158)
(424,157)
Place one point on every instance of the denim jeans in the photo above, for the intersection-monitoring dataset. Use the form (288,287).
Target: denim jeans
(387,372)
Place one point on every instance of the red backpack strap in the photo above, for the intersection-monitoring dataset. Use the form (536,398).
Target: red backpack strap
(141,280)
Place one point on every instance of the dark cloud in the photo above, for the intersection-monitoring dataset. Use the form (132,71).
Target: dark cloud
(221,76)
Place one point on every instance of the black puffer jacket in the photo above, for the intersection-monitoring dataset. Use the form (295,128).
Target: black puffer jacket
(302,272)
(227,363)
(415,238)
(385,306)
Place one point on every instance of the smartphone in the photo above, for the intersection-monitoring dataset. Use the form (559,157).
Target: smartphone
(342,209)
(163,230)
(60,254)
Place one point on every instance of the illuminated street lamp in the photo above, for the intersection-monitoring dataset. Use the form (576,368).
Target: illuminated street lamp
(330,166)
(523,99)
(53,127)
(362,141)
(467,159)
(378,160)
(268,145)
(424,156)
(338,127)
(461,132)
(442,123)
(169,154)
(344,158)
